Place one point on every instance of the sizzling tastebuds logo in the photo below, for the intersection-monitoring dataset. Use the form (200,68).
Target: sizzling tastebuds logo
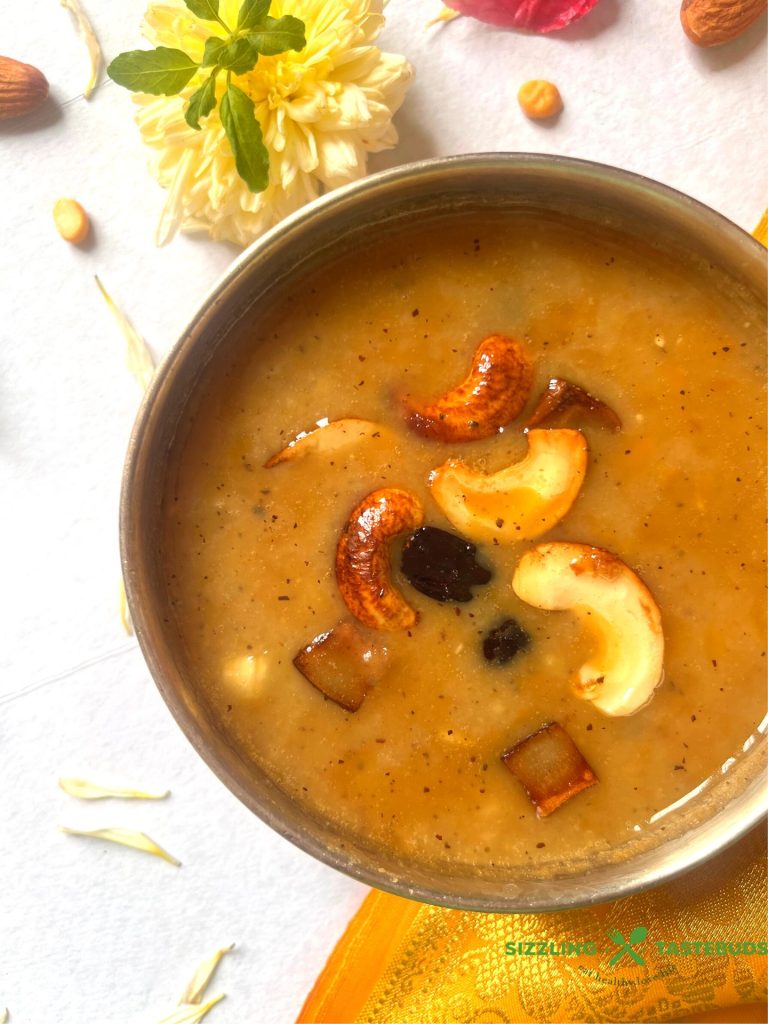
(629,949)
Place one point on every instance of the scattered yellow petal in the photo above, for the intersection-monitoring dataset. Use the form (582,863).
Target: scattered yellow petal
(138,357)
(141,363)
(94,49)
(445,15)
(85,790)
(4,1017)
(195,990)
(172,214)
(191,1014)
(761,231)
(125,837)
(125,616)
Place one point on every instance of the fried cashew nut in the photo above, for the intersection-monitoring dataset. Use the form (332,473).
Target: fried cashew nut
(615,606)
(363,570)
(521,501)
(326,437)
(564,404)
(493,394)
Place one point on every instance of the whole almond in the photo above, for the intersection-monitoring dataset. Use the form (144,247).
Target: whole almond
(714,22)
(22,88)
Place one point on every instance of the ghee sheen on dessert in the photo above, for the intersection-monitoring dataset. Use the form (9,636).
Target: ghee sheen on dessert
(474,734)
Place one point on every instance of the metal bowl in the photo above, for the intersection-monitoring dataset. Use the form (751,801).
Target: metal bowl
(726,806)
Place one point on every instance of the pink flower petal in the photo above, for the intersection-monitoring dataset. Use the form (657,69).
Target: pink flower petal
(530,15)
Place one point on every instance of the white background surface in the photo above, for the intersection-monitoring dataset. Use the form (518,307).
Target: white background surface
(90,932)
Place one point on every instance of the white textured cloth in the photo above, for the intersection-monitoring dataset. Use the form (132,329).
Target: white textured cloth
(97,933)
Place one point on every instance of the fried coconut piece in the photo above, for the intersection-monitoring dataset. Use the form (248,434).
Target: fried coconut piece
(343,664)
(493,394)
(550,766)
(563,404)
(363,568)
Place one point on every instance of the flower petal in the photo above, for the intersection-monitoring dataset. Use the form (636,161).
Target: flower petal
(530,15)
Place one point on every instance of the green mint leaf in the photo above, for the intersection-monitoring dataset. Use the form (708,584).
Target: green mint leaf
(239,56)
(213,47)
(244,134)
(252,13)
(208,10)
(201,102)
(162,72)
(276,35)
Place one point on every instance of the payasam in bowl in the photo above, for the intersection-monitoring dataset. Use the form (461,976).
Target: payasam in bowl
(444,531)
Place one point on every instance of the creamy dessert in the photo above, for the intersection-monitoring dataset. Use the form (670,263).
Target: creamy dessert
(465,543)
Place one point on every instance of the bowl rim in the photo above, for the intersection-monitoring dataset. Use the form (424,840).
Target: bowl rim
(752,805)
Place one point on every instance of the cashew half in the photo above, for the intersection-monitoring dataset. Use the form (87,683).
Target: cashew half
(326,436)
(362,558)
(521,501)
(615,605)
(562,404)
(492,395)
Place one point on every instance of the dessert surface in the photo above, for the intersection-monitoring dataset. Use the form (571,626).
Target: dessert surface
(677,494)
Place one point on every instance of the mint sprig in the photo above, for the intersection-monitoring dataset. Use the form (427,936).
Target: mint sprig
(165,71)
(161,72)
(244,133)
(252,12)
(276,35)
(201,103)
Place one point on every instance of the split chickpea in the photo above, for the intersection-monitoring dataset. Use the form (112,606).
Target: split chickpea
(71,220)
(539,99)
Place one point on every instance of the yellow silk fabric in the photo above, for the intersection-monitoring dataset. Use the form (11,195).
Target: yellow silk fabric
(761,231)
(401,962)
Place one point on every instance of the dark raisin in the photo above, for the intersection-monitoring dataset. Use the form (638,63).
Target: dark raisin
(442,565)
(505,641)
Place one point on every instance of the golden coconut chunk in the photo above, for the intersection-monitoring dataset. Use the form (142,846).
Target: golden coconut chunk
(615,606)
(521,501)
(550,766)
(343,664)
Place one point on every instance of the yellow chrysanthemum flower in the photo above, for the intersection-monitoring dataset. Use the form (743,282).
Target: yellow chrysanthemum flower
(321,112)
